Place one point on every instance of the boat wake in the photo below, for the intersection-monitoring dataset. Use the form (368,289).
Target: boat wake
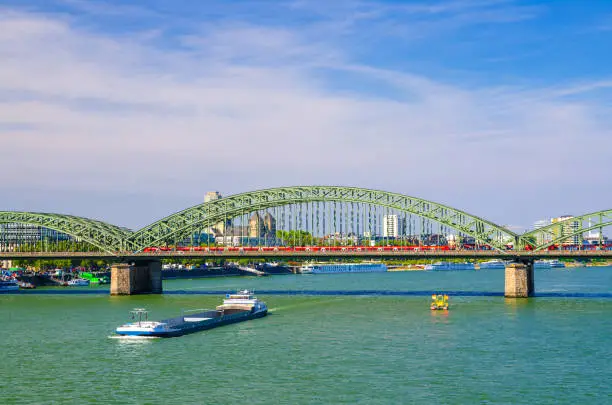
(305,304)
(131,338)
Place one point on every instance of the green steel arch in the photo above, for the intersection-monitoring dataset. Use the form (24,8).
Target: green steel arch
(596,220)
(180,224)
(107,237)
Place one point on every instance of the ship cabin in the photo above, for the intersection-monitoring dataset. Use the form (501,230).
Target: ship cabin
(241,295)
(243,300)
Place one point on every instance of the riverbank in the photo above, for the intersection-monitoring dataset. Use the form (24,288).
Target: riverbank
(413,267)
(220,272)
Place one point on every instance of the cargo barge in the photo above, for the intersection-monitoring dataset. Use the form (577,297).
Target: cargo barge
(238,307)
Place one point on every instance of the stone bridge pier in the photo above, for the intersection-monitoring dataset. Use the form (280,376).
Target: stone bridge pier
(519,281)
(140,277)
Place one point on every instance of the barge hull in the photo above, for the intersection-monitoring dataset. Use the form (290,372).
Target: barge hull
(181,327)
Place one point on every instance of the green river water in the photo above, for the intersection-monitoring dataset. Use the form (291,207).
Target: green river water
(322,349)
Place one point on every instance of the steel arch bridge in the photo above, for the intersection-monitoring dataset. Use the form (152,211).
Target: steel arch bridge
(180,224)
(109,238)
(120,241)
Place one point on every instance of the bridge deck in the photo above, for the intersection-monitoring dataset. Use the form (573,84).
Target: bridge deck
(288,255)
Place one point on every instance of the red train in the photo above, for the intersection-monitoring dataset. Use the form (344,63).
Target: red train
(322,249)
(588,247)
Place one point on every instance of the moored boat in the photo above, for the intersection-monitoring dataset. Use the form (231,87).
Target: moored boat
(78,282)
(26,285)
(439,302)
(556,264)
(332,268)
(104,280)
(238,307)
(541,264)
(493,265)
(9,284)
(441,266)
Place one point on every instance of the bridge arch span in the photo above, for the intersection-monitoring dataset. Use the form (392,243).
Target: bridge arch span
(109,238)
(594,221)
(180,224)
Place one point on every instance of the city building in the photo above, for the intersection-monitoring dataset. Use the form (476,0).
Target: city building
(594,237)
(342,239)
(221,227)
(567,227)
(542,237)
(256,226)
(212,195)
(434,239)
(390,226)
(15,234)
(262,227)
(541,223)
(269,224)
(236,230)
(198,239)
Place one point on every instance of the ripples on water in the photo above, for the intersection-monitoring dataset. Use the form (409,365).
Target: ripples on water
(339,346)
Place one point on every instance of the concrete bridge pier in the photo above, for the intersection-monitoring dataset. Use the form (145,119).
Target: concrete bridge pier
(519,281)
(142,277)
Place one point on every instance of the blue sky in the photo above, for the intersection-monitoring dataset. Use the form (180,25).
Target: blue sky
(498,107)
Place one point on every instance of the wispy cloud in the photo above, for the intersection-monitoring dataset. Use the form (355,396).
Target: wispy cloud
(239,106)
(416,20)
(114,9)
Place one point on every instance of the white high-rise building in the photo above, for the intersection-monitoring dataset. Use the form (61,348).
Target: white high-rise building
(542,237)
(212,195)
(541,223)
(221,227)
(567,228)
(390,226)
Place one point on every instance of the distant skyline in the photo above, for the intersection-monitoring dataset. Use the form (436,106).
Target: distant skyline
(127,111)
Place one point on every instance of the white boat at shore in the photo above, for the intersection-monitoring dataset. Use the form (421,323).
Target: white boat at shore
(8,285)
(78,282)
(449,266)
(541,264)
(493,265)
(333,268)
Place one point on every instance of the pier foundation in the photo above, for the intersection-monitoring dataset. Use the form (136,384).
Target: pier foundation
(136,278)
(519,281)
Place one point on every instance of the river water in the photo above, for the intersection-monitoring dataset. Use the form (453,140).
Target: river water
(339,346)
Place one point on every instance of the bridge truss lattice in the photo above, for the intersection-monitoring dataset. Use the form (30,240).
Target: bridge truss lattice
(106,237)
(181,225)
(565,231)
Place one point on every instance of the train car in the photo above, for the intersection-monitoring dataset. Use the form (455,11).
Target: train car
(476,247)
(347,249)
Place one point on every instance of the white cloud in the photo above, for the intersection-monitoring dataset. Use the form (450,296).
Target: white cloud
(239,107)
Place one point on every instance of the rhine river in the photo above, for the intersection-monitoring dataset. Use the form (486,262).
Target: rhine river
(332,348)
